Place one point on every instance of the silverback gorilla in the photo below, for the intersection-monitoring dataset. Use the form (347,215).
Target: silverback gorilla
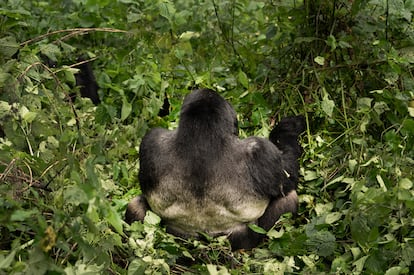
(203,178)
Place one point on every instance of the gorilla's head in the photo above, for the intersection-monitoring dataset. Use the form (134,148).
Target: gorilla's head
(205,108)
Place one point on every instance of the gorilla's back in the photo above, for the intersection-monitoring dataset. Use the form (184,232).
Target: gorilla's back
(215,201)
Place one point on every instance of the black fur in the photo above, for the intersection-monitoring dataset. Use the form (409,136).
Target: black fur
(165,109)
(85,79)
(203,178)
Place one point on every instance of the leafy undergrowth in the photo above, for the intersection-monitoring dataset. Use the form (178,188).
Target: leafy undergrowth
(69,167)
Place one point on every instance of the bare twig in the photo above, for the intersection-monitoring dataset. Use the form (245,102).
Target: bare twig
(6,172)
(74,30)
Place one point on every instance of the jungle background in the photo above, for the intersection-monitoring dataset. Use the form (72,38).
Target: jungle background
(68,166)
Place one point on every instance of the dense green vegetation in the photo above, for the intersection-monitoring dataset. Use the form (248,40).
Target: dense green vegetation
(68,168)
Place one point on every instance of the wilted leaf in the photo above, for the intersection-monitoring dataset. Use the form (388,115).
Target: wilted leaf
(49,239)
(364,104)
(405,183)
(327,105)
(5,108)
(411,111)
(185,36)
(320,60)
(274,234)
(152,218)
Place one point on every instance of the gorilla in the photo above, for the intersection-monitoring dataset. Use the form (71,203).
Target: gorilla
(85,79)
(201,178)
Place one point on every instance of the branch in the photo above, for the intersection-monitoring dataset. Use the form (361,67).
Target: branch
(74,30)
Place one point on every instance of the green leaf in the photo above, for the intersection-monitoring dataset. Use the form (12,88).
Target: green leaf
(344,45)
(300,40)
(359,264)
(51,51)
(381,107)
(257,228)
(5,262)
(137,266)
(217,270)
(395,270)
(167,9)
(243,79)
(310,175)
(126,109)
(183,49)
(360,229)
(114,219)
(323,208)
(27,115)
(70,74)
(323,242)
(22,215)
(85,269)
(331,41)
(8,47)
(333,217)
(340,263)
(75,195)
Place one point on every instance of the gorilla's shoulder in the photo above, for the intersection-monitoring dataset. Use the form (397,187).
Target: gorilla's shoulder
(258,146)
(157,135)
(155,140)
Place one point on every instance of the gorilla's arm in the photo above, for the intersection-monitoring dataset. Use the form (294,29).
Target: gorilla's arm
(152,159)
(280,155)
(266,167)
(270,181)
(285,136)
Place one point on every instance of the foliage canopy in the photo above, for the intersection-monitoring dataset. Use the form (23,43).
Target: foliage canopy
(68,167)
